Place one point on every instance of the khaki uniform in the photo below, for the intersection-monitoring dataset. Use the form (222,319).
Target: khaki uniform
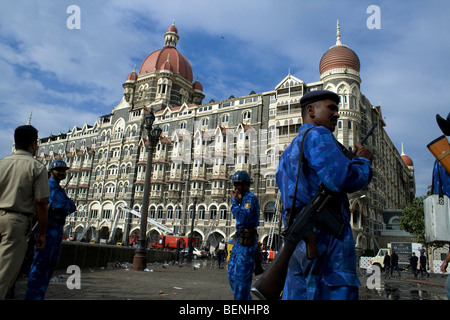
(22,180)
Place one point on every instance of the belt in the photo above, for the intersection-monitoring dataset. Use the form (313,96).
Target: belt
(26,214)
(250,232)
(60,221)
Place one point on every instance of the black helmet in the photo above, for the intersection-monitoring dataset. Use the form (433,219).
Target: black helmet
(58,164)
(241,177)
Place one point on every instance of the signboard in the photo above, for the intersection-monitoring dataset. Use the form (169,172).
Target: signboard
(404,251)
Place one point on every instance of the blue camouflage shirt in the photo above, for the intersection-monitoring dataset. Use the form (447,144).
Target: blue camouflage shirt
(246,212)
(62,204)
(324,163)
(439,170)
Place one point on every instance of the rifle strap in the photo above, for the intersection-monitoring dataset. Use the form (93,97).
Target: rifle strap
(300,158)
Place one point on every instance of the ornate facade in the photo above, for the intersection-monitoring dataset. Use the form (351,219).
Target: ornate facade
(203,144)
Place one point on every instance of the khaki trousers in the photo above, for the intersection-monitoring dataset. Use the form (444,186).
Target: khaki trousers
(14,229)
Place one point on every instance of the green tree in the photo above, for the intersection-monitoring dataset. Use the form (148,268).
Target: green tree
(413,220)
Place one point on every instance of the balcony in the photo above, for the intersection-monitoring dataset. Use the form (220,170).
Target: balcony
(219,171)
(242,166)
(158,175)
(156,195)
(176,174)
(199,173)
(160,156)
(197,193)
(174,194)
(218,193)
(82,196)
(176,155)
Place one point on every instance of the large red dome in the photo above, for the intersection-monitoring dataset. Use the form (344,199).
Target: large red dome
(157,60)
(168,58)
(339,56)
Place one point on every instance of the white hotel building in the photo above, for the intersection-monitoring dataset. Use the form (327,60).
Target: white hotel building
(203,144)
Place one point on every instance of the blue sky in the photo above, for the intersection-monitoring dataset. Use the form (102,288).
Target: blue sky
(71,77)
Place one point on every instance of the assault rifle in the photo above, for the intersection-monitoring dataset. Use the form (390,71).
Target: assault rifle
(349,153)
(318,211)
(271,283)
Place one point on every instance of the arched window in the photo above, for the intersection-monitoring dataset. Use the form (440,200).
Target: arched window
(110,188)
(178,212)
(246,116)
(169,212)
(112,170)
(152,213)
(223,212)
(201,212)
(212,212)
(225,118)
(269,211)
(159,213)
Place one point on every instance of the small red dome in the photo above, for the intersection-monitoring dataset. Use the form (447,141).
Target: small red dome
(197,86)
(407,160)
(132,76)
(172,28)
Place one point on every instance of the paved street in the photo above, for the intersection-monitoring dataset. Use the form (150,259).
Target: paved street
(202,280)
(190,281)
(195,290)
(406,287)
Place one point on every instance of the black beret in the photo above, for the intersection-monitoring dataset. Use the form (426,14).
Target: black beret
(318,95)
(444,124)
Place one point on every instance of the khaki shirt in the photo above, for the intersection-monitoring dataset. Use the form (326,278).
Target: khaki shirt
(22,180)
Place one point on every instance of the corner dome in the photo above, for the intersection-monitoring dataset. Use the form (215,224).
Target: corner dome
(197,85)
(169,55)
(133,76)
(339,56)
(407,160)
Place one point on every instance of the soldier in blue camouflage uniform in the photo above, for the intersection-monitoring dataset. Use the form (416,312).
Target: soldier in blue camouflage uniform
(245,209)
(45,261)
(332,275)
(441,177)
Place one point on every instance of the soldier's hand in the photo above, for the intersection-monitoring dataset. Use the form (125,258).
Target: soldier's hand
(362,151)
(233,193)
(40,242)
(444,267)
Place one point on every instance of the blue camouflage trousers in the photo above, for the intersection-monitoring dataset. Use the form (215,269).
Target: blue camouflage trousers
(44,263)
(330,276)
(240,270)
